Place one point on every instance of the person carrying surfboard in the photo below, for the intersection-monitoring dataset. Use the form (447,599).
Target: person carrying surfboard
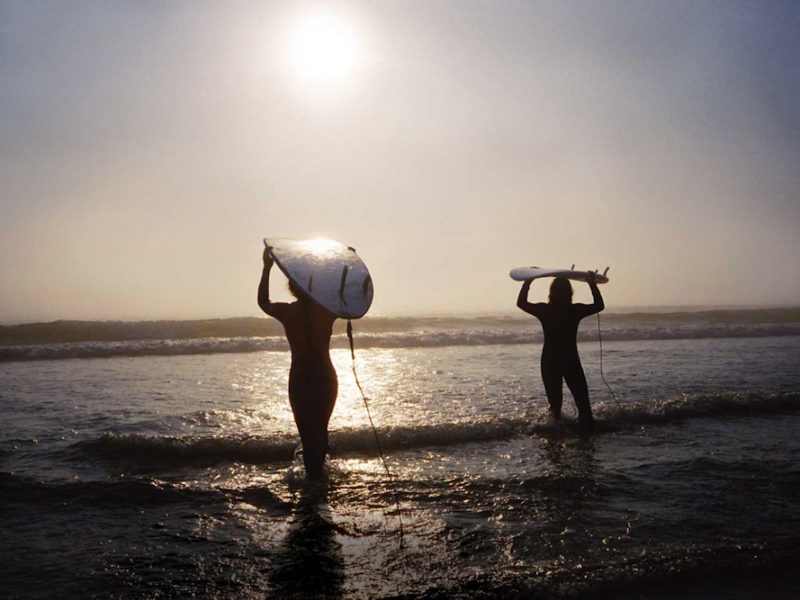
(560,360)
(313,385)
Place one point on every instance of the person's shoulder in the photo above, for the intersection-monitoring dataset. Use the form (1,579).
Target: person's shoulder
(293,308)
(323,313)
(284,305)
(282,310)
(580,307)
(540,307)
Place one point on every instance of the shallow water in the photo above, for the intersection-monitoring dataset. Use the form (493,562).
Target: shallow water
(176,476)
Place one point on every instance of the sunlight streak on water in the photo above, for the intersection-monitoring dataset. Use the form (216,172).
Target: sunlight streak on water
(376,372)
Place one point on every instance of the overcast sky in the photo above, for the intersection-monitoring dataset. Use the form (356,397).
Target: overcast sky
(146,148)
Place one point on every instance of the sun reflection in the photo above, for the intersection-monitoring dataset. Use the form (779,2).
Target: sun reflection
(321,246)
(377,371)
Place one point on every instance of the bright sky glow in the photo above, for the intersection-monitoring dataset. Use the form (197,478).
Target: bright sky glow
(324,49)
(147,148)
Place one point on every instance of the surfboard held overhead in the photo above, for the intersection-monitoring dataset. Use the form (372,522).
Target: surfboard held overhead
(525,273)
(331,273)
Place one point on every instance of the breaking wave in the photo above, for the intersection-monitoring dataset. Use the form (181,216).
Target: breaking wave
(154,452)
(469,334)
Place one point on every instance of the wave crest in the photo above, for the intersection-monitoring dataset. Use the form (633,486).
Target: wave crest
(154,452)
(397,339)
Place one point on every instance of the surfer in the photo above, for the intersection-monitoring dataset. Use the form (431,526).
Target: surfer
(560,360)
(313,385)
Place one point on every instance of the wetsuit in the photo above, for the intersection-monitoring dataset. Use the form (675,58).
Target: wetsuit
(560,360)
(313,385)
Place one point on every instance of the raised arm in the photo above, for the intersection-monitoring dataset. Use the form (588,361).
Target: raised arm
(598,304)
(522,299)
(274,309)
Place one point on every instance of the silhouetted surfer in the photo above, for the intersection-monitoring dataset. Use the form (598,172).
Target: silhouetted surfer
(560,360)
(312,379)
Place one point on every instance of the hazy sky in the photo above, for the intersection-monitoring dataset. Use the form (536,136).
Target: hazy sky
(146,147)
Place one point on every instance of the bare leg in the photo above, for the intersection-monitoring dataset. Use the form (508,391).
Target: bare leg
(312,394)
(314,435)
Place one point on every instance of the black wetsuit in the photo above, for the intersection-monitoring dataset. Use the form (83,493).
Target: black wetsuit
(560,360)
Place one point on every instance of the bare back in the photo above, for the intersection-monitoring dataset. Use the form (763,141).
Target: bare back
(308,327)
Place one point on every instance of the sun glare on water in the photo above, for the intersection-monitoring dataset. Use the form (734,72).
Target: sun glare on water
(324,49)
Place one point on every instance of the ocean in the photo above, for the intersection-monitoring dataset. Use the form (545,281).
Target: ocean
(160,460)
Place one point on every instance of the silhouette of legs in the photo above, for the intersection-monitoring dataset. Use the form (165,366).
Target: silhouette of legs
(553,376)
(312,394)
(552,379)
(576,382)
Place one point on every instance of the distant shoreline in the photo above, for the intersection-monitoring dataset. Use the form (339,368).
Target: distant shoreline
(66,331)
(511,312)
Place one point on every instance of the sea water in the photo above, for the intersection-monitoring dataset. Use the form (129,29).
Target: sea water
(149,468)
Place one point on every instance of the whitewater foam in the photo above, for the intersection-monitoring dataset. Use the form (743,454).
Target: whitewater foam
(164,451)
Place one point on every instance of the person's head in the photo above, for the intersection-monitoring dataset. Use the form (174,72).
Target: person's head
(296,291)
(561,291)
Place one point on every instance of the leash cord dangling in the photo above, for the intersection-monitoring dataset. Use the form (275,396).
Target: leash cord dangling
(375,431)
(602,375)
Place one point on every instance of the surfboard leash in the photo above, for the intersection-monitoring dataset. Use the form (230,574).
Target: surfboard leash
(375,433)
(602,375)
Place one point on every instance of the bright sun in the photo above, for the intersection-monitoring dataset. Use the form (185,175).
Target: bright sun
(324,49)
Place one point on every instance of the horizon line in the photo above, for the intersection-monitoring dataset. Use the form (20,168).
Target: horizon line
(629,309)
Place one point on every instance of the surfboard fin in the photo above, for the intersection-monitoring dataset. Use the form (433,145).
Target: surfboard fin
(606,271)
(366,284)
(572,268)
(341,286)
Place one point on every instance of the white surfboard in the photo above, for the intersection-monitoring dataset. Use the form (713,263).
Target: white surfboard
(331,273)
(525,273)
